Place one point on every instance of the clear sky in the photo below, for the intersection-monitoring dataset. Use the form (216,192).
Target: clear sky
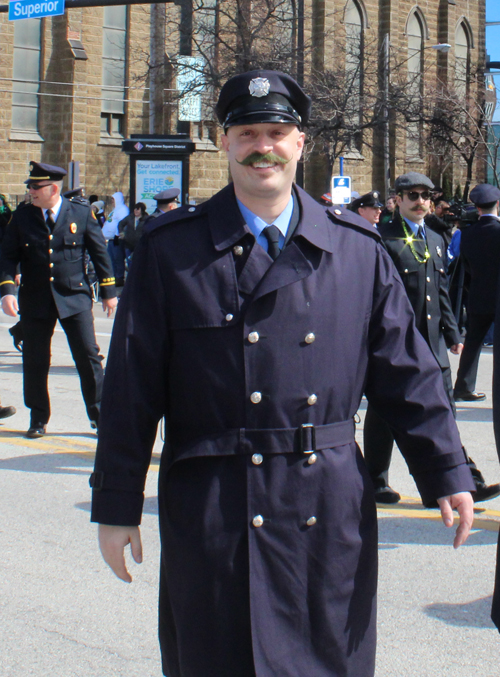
(493,43)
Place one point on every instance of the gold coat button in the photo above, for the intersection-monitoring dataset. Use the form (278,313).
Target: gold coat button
(312,399)
(258,521)
(256,397)
(311,521)
(238,250)
(428,297)
(51,251)
(428,279)
(253,336)
(338,212)
(51,237)
(51,279)
(51,265)
(310,338)
(312,459)
(406,270)
(429,317)
(257,459)
(229,317)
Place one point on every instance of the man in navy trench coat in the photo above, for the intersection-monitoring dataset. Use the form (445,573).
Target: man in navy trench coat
(257,346)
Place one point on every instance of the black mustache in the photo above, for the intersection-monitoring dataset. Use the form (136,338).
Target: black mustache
(268,157)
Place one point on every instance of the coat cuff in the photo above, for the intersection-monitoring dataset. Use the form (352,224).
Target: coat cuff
(444,481)
(7,287)
(119,508)
(107,288)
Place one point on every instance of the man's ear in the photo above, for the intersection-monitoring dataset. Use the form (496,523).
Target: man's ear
(300,144)
(225,142)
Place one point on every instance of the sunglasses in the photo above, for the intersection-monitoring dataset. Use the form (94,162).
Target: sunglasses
(414,195)
(37,186)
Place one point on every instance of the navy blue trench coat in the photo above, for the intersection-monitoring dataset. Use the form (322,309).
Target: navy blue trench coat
(267,513)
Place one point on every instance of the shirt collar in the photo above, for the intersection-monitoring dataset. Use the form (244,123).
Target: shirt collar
(415,226)
(55,210)
(257,225)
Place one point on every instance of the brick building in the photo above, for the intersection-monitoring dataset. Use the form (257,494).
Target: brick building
(74,86)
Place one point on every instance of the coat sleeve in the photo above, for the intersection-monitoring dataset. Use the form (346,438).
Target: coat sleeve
(96,247)
(10,257)
(134,394)
(405,386)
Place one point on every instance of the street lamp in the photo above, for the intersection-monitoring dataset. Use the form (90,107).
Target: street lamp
(442,47)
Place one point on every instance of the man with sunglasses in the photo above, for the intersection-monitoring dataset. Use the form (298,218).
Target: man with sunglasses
(418,253)
(49,238)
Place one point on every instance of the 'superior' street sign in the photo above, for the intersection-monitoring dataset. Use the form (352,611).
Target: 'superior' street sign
(34,9)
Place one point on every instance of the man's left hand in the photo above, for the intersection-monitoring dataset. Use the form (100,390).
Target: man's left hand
(464,505)
(109,305)
(457,348)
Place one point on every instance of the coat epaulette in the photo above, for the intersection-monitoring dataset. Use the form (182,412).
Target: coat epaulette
(352,220)
(183,213)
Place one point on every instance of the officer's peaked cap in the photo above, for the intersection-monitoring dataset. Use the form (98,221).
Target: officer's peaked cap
(168,195)
(42,172)
(412,180)
(484,194)
(371,199)
(262,96)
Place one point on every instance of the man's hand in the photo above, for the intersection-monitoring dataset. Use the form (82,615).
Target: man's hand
(9,305)
(464,504)
(113,541)
(109,305)
(457,348)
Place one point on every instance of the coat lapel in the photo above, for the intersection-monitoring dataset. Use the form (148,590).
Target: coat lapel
(63,212)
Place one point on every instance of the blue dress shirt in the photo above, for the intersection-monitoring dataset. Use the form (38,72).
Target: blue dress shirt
(257,225)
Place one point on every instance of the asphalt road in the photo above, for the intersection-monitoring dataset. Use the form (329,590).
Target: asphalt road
(64,614)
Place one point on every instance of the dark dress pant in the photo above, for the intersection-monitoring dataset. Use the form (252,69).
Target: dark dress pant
(477,328)
(378,438)
(37,337)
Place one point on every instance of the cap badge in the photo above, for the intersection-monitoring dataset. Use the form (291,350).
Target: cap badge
(73,228)
(375,195)
(439,252)
(259,87)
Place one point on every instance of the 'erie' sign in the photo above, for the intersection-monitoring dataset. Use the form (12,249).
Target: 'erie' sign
(30,9)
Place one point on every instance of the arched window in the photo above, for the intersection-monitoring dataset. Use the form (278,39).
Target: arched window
(353,20)
(462,59)
(415,36)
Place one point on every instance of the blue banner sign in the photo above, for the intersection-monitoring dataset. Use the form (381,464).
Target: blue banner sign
(34,9)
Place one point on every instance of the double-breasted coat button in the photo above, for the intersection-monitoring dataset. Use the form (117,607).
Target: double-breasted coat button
(429,317)
(51,265)
(406,270)
(258,521)
(256,397)
(428,279)
(192,209)
(428,297)
(312,459)
(253,336)
(51,279)
(311,521)
(51,237)
(338,212)
(310,338)
(257,459)
(229,317)
(312,399)
(51,251)
(238,250)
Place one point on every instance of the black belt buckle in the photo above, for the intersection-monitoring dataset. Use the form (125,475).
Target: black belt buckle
(308,438)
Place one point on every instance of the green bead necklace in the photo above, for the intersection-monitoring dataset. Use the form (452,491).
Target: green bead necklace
(410,239)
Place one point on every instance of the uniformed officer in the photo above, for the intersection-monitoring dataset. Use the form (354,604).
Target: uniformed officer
(368,206)
(49,238)
(418,254)
(166,200)
(246,323)
(480,249)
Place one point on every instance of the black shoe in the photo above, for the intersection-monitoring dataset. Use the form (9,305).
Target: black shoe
(17,334)
(386,495)
(5,412)
(485,492)
(469,397)
(36,430)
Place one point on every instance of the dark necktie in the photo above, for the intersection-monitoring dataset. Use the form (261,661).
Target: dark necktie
(419,243)
(272,235)
(49,220)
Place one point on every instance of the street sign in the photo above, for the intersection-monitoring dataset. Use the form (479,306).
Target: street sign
(341,190)
(34,9)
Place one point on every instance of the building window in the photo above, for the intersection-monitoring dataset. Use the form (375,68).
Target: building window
(26,75)
(415,33)
(114,60)
(462,61)
(353,20)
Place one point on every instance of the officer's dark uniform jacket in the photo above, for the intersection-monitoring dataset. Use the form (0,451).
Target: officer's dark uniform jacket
(427,287)
(267,513)
(480,248)
(53,264)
